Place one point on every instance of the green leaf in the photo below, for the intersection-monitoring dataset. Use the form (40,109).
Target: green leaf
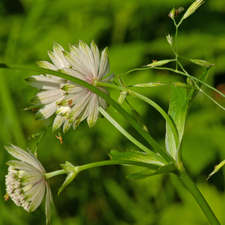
(169,168)
(131,155)
(177,111)
(67,181)
(72,172)
(178,108)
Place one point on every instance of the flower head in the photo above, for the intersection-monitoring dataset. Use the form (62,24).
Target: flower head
(71,102)
(25,182)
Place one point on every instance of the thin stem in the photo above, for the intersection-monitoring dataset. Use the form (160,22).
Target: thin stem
(200,88)
(129,118)
(54,173)
(176,40)
(152,84)
(115,162)
(187,75)
(129,137)
(161,111)
(185,178)
(104,84)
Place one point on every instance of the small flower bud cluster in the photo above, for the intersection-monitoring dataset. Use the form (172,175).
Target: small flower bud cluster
(15,189)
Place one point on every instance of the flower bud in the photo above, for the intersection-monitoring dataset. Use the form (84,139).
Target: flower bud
(169,39)
(159,63)
(192,8)
(172,13)
(122,97)
(202,62)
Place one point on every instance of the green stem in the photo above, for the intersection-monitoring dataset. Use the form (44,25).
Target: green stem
(115,162)
(150,102)
(187,75)
(152,84)
(160,110)
(176,40)
(185,178)
(104,84)
(198,88)
(129,137)
(54,173)
(127,116)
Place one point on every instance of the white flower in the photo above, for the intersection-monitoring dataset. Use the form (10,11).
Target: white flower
(71,102)
(25,182)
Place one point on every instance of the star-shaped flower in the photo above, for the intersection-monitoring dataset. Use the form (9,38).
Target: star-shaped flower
(71,102)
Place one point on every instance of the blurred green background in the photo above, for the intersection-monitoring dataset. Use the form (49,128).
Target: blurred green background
(135,32)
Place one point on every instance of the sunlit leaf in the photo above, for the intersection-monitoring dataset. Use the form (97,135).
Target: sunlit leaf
(177,111)
(131,155)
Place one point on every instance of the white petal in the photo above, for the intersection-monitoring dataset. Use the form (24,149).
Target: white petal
(78,108)
(82,61)
(31,177)
(39,191)
(46,111)
(24,156)
(66,125)
(58,121)
(73,73)
(96,56)
(93,111)
(22,166)
(57,79)
(89,57)
(46,97)
(43,82)
(102,102)
(58,49)
(48,204)
(72,99)
(46,65)
(72,88)
(75,60)
(109,78)
(37,161)
(104,65)
(57,60)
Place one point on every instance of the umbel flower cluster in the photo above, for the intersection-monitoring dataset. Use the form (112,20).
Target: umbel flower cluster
(26,184)
(71,102)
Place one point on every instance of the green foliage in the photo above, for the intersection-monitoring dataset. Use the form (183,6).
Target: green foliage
(135,33)
(178,107)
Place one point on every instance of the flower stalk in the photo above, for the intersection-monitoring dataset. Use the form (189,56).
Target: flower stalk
(188,182)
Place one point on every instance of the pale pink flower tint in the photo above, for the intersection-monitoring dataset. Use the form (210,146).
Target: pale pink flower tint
(71,102)
(25,182)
